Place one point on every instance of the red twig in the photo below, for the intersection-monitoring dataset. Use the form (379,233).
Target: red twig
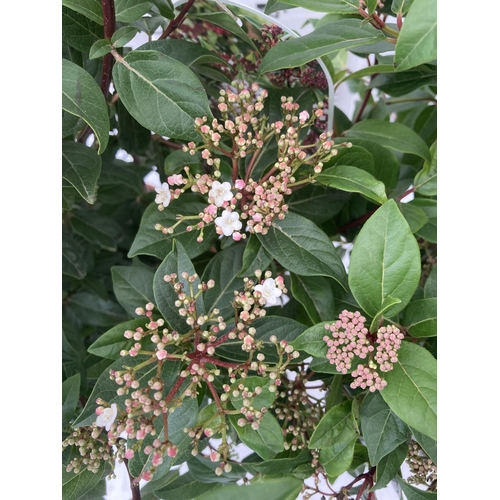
(176,22)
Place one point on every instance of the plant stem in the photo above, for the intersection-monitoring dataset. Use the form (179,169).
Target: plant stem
(134,484)
(176,22)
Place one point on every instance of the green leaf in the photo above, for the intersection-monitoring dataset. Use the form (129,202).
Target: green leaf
(254,257)
(97,229)
(284,466)
(266,441)
(177,261)
(354,180)
(73,258)
(74,486)
(401,6)
(224,269)
(286,488)
(177,160)
(122,36)
(133,286)
(420,318)
(132,136)
(83,97)
(316,295)
(149,241)
(411,388)
(429,231)
(414,215)
(89,8)
(162,94)
(70,395)
(337,458)
(311,341)
(400,84)
(417,41)
(335,393)
(165,8)
(343,34)
(372,5)
(430,287)
(392,135)
(303,248)
(382,430)
(227,22)
(389,466)
(264,399)
(109,344)
(96,311)
(185,487)
(368,71)
(99,49)
(414,493)
(273,6)
(335,6)
(79,31)
(428,444)
(392,266)
(426,180)
(186,52)
(336,426)
(354,156)
(130,10)
(81,166)
(283,328)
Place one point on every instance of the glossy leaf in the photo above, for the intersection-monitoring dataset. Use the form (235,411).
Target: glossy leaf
(185,487)
(97,229)
(165,8)
(130,10)
(162,94)
(411,388)
(400,84)
(414,493)
(177,261)
(354,180)
(74,486)
(389,466)
(149,241)
(401,6)
(81,96)
(382,430)
(414,215)
(430,287)
(254,257)
(376,69)
(426,180)
(96,310)
(303,248)
(337,458)
(81,166)
(282,465)
(273,6)
(343,34)
(420,318)
(133,286)
(79,31)
(132,136)
(122,36)
(316,295)
(70,395)
(89,8)
(371,5)
(334,6)
(355,156)
(392,267)
(429,231)
(391,135)
(100,49)
(177,160)
(109,344)
(428,444)
(311,341)
(417,41)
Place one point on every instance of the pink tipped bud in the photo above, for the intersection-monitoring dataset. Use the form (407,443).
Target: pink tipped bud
(172,451)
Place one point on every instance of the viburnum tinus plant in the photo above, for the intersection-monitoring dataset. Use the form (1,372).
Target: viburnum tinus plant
(249,273)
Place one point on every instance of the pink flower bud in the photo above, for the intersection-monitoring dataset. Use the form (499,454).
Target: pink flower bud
(239,184)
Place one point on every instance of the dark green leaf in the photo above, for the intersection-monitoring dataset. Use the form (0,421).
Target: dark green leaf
(177,160)
(73,259)
(149,241)
(186,52)
(165,7)
(430,287)
(414,493)
(372,5)
(315,294)
(122,36)
(429,231)
(411,388)
(71,124)
(266,441)
(185,487)
(100,49)
(255,257)
(337,458)
(390,465)
(354,156)
(382,430)
(133,286)
(368,71)
(79,31)
(70,395)
(89,8)
(303,248)
(401,6)
(81,166)
(74,486)
(335,6)
(343,34)
(428,444)
(420,318)
(130,10)
(97,229)
(354,180)
(426,180)
(392,135)
(391,270)
(132,136)
(177,261)
(264,399)
(161,93)
(285,466)
(109,344)
(286,488)
(273,6)
(399,84)
(96,311)
(414,215)
(227,22)
(203,469)
(417,41)
(83,97)
(335,393)
(311,341)
(336,426)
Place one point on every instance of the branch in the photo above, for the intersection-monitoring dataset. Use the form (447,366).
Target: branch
(134,484)
(175,23)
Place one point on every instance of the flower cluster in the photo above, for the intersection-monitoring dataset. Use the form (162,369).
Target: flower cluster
(423,469)
(243,131)
(349,338)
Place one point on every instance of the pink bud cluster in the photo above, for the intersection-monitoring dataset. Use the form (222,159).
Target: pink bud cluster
(349,338)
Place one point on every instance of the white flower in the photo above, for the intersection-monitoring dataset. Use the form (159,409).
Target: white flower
(229,222)
(269,291)
(163,196)
(152,180)
(107,417)
(220,192)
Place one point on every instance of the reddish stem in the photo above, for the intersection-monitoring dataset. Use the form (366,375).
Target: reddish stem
(176,22)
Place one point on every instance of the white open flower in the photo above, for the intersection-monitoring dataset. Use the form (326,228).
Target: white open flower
(229,222)
(163,196)
(269,291)
(220,192)
(107,417)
